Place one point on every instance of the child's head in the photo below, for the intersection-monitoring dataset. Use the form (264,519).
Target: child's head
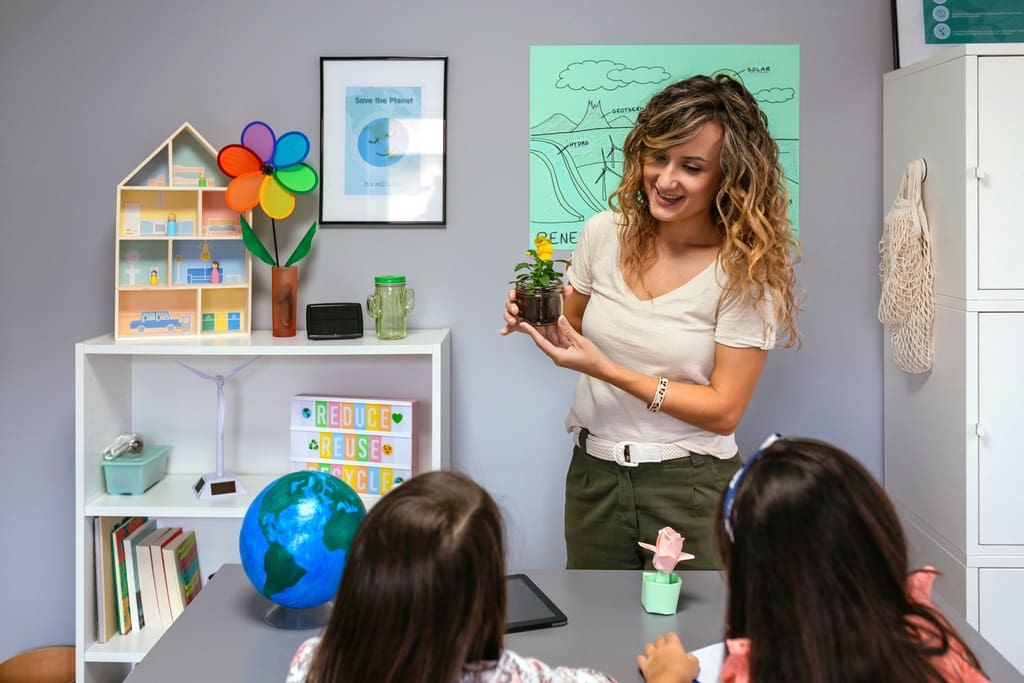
(423,591)
(817,569)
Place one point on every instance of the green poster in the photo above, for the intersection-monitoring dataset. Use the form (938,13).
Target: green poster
(585,99)
(973,21)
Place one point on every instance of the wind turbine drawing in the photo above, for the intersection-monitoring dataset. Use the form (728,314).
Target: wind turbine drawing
(607,165)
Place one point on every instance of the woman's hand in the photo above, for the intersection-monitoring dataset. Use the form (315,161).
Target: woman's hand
(514,324)
(569,349)
(666,661)
(511,314)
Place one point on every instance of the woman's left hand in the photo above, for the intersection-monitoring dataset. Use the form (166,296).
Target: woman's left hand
(567,347)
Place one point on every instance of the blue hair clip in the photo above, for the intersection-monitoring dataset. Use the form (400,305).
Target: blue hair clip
(728,513)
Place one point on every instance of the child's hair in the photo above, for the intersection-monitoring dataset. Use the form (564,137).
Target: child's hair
(817,573)
(751,208)
(423,591)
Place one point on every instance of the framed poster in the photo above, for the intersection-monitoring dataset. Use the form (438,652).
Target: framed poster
(922,28)
(908,40)
(382,140)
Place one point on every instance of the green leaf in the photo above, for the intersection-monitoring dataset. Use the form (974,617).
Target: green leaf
(253,244)
(305,245)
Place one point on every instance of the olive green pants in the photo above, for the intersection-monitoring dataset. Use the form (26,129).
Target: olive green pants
(609,507)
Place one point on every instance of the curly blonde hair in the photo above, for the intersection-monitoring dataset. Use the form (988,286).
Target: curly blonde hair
(758,249)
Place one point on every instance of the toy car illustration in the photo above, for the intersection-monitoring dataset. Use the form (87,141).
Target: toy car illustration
(156,320)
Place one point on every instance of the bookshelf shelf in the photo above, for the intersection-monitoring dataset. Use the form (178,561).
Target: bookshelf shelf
(143,386)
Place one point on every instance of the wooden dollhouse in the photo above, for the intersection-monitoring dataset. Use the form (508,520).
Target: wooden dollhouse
(182,269)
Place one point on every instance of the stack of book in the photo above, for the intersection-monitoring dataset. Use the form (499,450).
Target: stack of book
(145,575)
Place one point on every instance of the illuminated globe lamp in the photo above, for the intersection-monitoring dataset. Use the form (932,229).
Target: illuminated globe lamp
(294,541)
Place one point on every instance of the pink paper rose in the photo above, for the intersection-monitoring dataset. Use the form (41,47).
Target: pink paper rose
(669,550)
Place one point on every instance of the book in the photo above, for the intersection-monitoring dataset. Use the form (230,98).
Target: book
(130,543)
(192,576)
(181,570)
(159,576)
(106,611)
(147,580)
(122,601)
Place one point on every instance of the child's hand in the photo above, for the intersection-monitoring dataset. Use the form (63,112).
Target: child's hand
(665,661)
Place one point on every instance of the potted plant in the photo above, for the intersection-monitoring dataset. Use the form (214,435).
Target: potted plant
(539,285)
(660,588)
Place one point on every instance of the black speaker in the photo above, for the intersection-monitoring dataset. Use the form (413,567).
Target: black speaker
(334,321)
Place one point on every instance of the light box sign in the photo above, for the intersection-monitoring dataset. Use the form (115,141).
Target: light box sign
(369,443)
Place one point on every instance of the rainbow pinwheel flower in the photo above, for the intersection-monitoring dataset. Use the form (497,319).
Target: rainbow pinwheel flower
(268,171)
(539,273)
(669,550)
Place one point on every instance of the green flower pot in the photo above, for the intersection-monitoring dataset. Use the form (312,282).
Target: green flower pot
(659,597)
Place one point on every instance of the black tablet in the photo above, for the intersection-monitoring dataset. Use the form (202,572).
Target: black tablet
(528,608)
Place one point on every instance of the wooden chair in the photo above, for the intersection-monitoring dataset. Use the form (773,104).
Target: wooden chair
(42,665)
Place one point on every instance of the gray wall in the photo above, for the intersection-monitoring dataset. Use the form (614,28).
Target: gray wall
(90,88)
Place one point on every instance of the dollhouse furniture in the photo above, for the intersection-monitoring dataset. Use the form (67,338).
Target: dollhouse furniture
(173,223)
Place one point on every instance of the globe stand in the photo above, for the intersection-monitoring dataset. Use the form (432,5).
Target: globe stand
(219,483)
(299,619)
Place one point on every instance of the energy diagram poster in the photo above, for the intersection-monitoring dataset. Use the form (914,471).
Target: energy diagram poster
(585,99)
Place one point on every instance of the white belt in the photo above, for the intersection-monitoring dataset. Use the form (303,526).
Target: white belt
(629,453)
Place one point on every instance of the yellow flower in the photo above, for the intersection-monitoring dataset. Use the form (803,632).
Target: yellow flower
(539,272)
(545,250)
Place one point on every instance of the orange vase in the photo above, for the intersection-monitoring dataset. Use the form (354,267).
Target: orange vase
(284,282)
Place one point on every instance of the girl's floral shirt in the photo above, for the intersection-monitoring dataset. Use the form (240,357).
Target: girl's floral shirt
(509,668)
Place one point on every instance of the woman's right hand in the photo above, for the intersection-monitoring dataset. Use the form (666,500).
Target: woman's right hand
(511,315)
(666,661)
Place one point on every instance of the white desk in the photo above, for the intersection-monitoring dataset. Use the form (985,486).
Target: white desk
(222,637)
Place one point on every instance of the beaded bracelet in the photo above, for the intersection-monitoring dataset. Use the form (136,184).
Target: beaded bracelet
(659,395)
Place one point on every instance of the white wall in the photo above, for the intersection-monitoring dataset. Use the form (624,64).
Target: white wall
(88,89)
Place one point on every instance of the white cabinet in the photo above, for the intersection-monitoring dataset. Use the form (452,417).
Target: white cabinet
(954,436)
(144,387)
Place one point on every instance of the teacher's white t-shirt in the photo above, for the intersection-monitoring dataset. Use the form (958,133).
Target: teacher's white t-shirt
(672,336)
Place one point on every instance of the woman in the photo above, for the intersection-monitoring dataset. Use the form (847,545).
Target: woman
(677,294)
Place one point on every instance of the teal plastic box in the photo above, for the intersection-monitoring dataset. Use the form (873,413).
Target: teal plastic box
(133,473)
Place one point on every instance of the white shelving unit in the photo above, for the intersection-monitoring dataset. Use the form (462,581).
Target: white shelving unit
(953,435)
(142,386)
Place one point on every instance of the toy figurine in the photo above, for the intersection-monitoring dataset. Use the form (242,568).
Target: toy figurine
(154,277)
(172,225)
(215,273)
(202,179)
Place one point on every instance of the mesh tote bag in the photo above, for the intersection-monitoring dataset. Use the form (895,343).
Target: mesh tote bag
(907,304)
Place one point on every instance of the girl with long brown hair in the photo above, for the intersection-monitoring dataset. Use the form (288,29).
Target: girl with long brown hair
(819,589)
(422,597)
